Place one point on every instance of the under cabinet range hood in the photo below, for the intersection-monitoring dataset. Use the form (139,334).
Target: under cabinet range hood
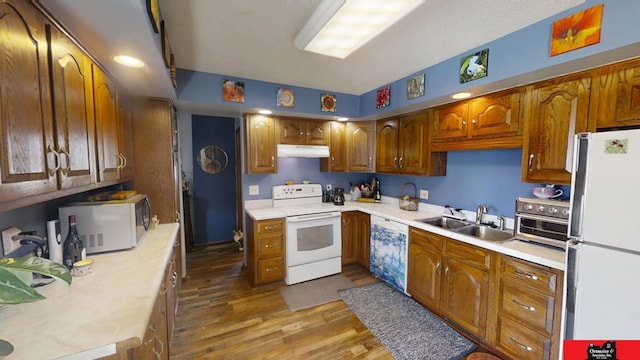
(307,151)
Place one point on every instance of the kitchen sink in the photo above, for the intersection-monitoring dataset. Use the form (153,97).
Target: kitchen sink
(445,222)
(485,232)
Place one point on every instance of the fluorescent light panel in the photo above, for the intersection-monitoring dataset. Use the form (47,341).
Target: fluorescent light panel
(339,27)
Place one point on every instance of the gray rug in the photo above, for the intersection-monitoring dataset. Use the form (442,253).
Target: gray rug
(404,327)
(314,292)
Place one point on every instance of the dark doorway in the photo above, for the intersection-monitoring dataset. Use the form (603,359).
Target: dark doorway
(214,179)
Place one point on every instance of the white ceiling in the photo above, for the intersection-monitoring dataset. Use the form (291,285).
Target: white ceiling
(254,39)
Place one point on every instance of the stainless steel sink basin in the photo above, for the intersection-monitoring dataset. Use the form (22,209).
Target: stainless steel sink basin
(445,222)
(485,232)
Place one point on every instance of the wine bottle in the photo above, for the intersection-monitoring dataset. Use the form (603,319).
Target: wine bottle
(74,249)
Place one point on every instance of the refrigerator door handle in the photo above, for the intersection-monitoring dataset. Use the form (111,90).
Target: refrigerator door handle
(578,179)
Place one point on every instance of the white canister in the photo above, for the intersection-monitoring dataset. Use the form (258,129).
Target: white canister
(54,239)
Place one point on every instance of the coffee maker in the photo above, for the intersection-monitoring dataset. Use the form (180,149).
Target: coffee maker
(338,197)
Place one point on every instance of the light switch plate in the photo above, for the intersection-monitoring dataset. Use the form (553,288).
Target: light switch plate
(424,194)
(254,189)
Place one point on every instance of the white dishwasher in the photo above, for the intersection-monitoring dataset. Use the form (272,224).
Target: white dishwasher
(388,253)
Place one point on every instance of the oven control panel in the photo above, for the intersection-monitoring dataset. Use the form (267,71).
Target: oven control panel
(543,207)
(296,191)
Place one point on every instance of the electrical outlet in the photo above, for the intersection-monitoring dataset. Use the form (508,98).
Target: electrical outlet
(254,189)
(424,194)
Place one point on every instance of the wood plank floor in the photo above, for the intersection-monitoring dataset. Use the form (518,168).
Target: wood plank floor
(221,317)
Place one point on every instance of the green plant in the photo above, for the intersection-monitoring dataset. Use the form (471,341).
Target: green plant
(16,275)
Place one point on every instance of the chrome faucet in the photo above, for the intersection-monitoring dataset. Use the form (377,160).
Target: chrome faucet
(501,221)
(480,211)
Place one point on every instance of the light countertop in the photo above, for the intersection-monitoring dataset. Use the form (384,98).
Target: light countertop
(388,208)
(87,319)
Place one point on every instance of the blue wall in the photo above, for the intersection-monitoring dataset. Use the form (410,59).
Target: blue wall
(214,195)
(473,177)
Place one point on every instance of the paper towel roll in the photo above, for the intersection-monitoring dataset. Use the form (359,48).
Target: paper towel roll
(54,239)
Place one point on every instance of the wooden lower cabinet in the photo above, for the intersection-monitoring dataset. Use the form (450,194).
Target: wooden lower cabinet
(528,310)
(355,238)
(265,250)
(425,268)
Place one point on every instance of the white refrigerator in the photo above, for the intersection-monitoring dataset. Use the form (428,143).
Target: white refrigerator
(603,255)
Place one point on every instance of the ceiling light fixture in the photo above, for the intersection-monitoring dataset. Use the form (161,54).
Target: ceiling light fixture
(265,112)
(342,119)
(461,95)
(128,61)
(339,27)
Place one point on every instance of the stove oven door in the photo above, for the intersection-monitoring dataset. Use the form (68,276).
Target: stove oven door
(313,237)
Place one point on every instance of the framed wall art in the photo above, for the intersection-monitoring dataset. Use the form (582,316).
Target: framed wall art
(328,103)
(415,86)
(153,9)
(383,97)
(474,66)
(285,98)
(577,31)
(233,91)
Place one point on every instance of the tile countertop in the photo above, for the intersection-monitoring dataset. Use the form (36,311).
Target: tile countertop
(388,208)
(87,319)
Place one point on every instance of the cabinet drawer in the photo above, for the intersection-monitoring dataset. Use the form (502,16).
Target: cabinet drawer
(531,307)
(269,245)
(538,277)
(270,269)
(426,239)
(468,254)
(520,342)
(270,226)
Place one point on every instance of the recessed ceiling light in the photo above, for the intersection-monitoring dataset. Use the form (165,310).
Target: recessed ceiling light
(265,112)
(343,119)
(461,95)
(128,61)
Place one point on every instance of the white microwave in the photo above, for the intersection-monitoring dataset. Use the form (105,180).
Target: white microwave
(108,225)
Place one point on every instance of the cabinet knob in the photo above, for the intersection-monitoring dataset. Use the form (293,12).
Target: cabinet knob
(67,166)
(268,227)
(527,275)
(531,156)
(523,346)
(526,307)
(395,163)
(57,157)
(464,123)
(273,164)
(473,121)
(401,163)
(275,268)
(370,161)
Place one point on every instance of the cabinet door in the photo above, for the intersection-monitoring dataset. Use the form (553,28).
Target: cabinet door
(495,115)
(557,112)
(450,122)
(337,160)
(360,144)
(349,237)
(364,241)
(125,137)
(316,132)
(28,161)
(619,103)
(412,144)
(424,271)
(387,146)
(291,130)
(261,146)
(73,101)
(465,296)
(107,128)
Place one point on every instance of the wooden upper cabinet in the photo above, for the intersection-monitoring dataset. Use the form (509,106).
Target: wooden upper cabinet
(261,145)
(387,145)
(107,126)
(303,131)
(74,117)
(402,147)
(28,160)
(337,160)
(125,136)
(360,145)
(487,122)
(557,110)
(619,103)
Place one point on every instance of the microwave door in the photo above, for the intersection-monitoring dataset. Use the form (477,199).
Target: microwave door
(146,213)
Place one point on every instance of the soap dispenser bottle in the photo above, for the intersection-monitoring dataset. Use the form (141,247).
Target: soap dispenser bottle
(376,193)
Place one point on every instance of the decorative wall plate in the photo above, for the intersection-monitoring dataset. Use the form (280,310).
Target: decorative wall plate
(328,102)
(285,98)
(212,159)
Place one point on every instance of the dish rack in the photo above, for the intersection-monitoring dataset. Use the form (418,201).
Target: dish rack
(407,202)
